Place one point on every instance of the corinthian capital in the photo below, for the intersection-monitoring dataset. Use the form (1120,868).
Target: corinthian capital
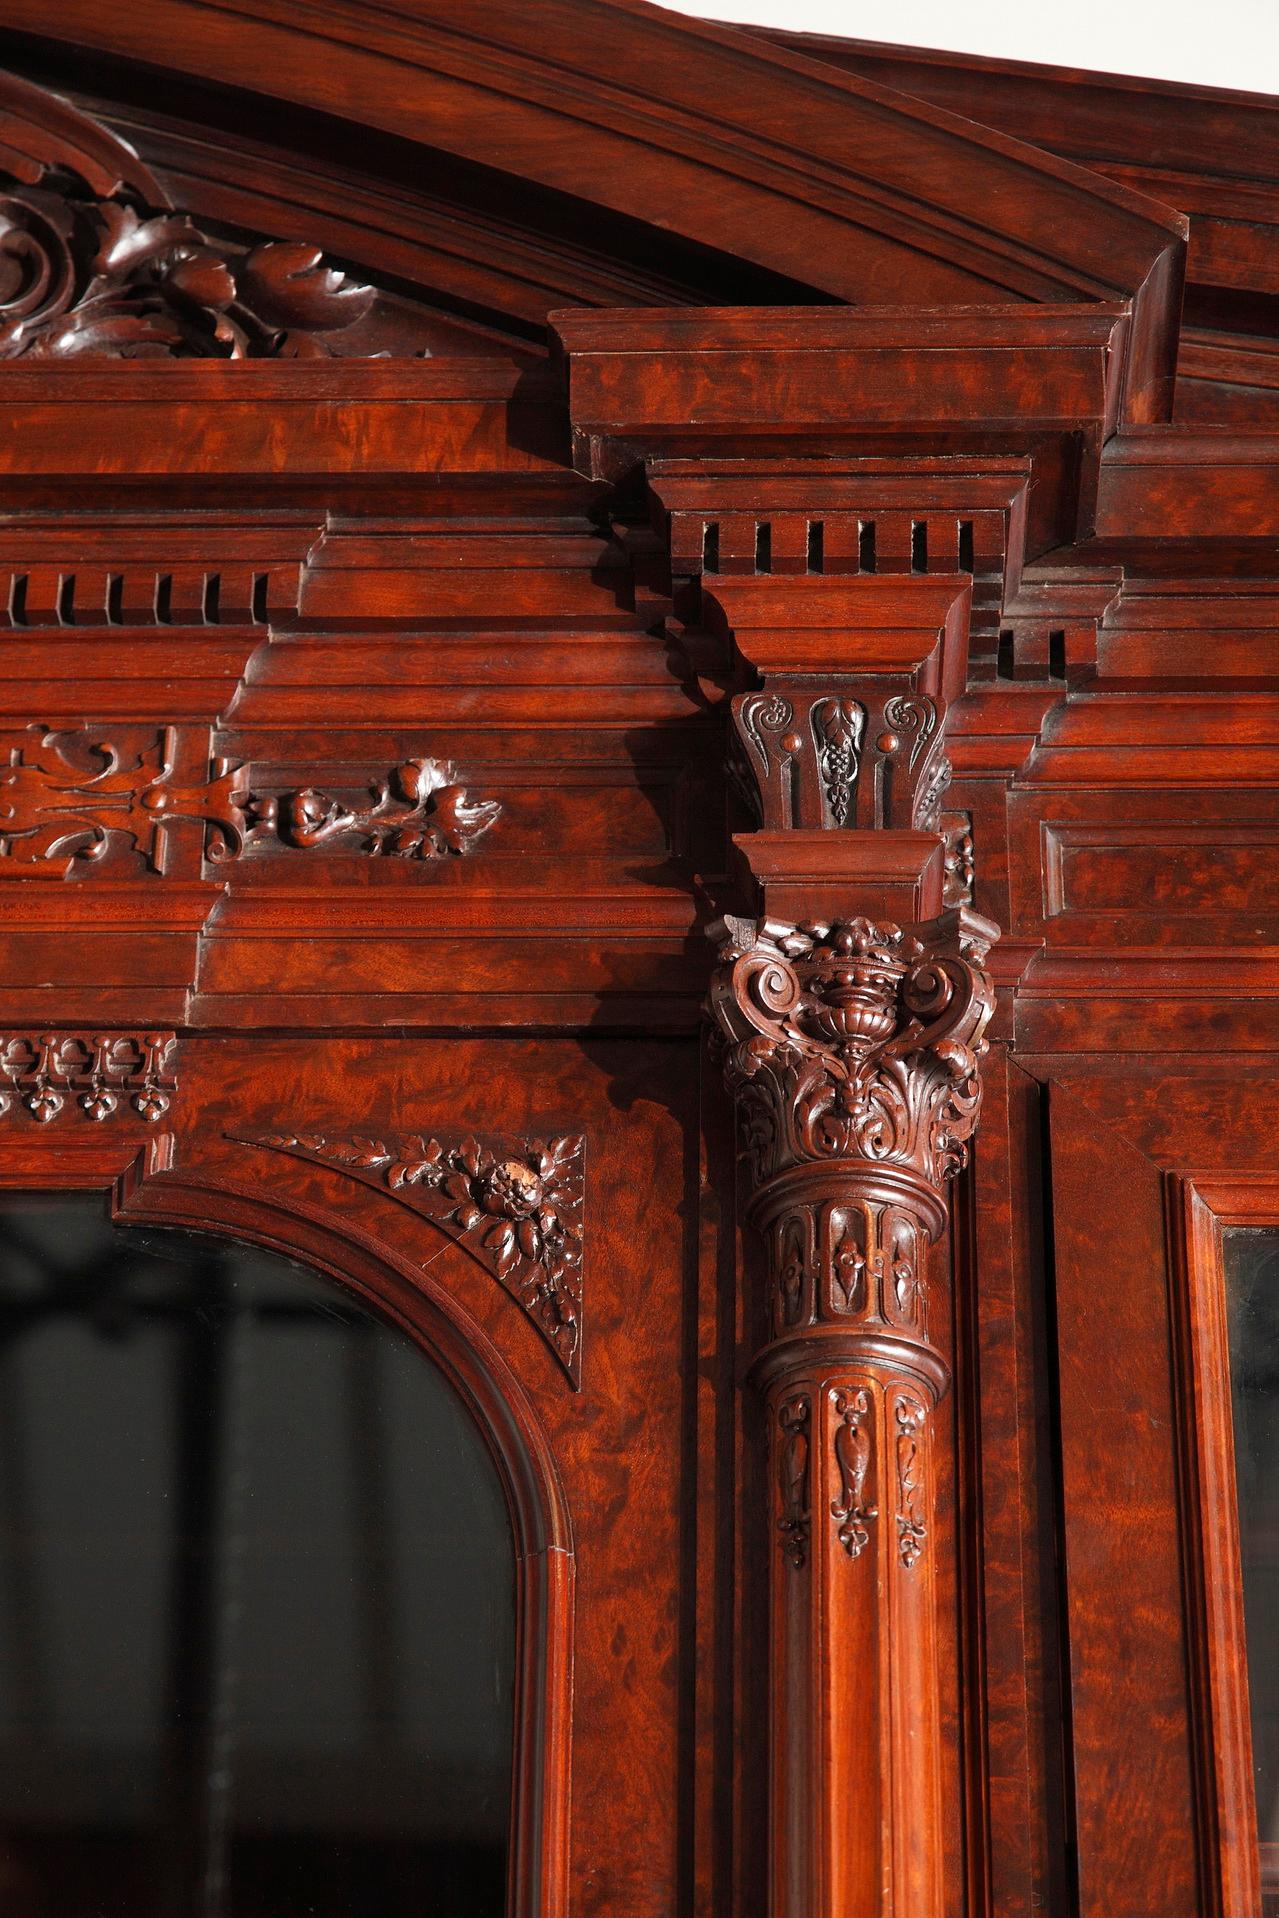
(855,1042)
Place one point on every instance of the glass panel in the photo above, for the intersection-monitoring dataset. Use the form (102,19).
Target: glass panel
(1252,1286)
(256,1593)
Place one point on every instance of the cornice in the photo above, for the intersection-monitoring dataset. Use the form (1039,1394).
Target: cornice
(688,127)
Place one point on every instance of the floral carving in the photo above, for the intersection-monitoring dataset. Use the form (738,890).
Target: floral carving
(852,1461)
(911,1528)
(93,1074)
(957,831)
(420,812)
(80,797)
(848,1268)
(515,1204)
(88,272)
(855,1041)
(838,725)
(793,1420)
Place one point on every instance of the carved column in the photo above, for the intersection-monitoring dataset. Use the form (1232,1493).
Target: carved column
(853,1053)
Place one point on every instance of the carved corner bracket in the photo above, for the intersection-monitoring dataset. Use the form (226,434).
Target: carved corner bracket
(515,1204)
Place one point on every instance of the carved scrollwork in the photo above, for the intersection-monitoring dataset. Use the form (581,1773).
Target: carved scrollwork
(80,798)
(87,272)
(911,719)
(855,1041)
(94,1075)
(769,745)
(853,1410)
(515,1204)
(421,811)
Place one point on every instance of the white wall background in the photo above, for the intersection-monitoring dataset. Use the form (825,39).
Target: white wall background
(1227,43)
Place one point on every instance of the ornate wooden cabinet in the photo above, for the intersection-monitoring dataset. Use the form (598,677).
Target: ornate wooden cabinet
(640,725)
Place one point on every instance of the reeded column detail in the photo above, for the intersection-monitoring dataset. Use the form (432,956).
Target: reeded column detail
(853,1052)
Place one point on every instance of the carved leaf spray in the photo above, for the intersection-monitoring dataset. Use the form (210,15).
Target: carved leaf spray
(81,799)
(84,273)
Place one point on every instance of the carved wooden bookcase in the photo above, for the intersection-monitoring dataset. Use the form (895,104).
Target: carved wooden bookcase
(639,720)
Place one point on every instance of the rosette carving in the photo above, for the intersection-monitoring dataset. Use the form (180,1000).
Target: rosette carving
(855,1041)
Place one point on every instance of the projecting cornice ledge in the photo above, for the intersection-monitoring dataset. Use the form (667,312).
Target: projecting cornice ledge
(1049,383)
(699,132)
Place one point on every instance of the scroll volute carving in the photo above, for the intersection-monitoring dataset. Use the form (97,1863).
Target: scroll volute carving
(848,728)
(94,259)
(855,1042)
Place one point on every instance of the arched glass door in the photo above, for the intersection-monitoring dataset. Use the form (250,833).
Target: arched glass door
(257,1606)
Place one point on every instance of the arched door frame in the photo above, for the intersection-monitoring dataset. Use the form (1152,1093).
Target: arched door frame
(144,1186)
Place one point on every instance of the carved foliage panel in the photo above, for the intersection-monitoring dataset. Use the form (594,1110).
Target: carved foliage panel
(75,801)
(135,800)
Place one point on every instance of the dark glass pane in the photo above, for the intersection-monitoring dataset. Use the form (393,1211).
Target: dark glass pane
(1252,1283)
(256,1593)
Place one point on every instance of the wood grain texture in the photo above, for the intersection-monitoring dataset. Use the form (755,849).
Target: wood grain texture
(767,507)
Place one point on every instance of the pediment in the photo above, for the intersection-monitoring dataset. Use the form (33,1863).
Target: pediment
(504,161)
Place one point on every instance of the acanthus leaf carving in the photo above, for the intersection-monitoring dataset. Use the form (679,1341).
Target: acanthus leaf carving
(422,811)
(855,1041)
(94,1074)
(80,797)
(83,271)
(515,1204)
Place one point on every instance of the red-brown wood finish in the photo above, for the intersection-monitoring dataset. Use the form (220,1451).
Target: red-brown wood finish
(490,495)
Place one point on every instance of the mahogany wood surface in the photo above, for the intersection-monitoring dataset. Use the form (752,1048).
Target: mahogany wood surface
(492,496)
